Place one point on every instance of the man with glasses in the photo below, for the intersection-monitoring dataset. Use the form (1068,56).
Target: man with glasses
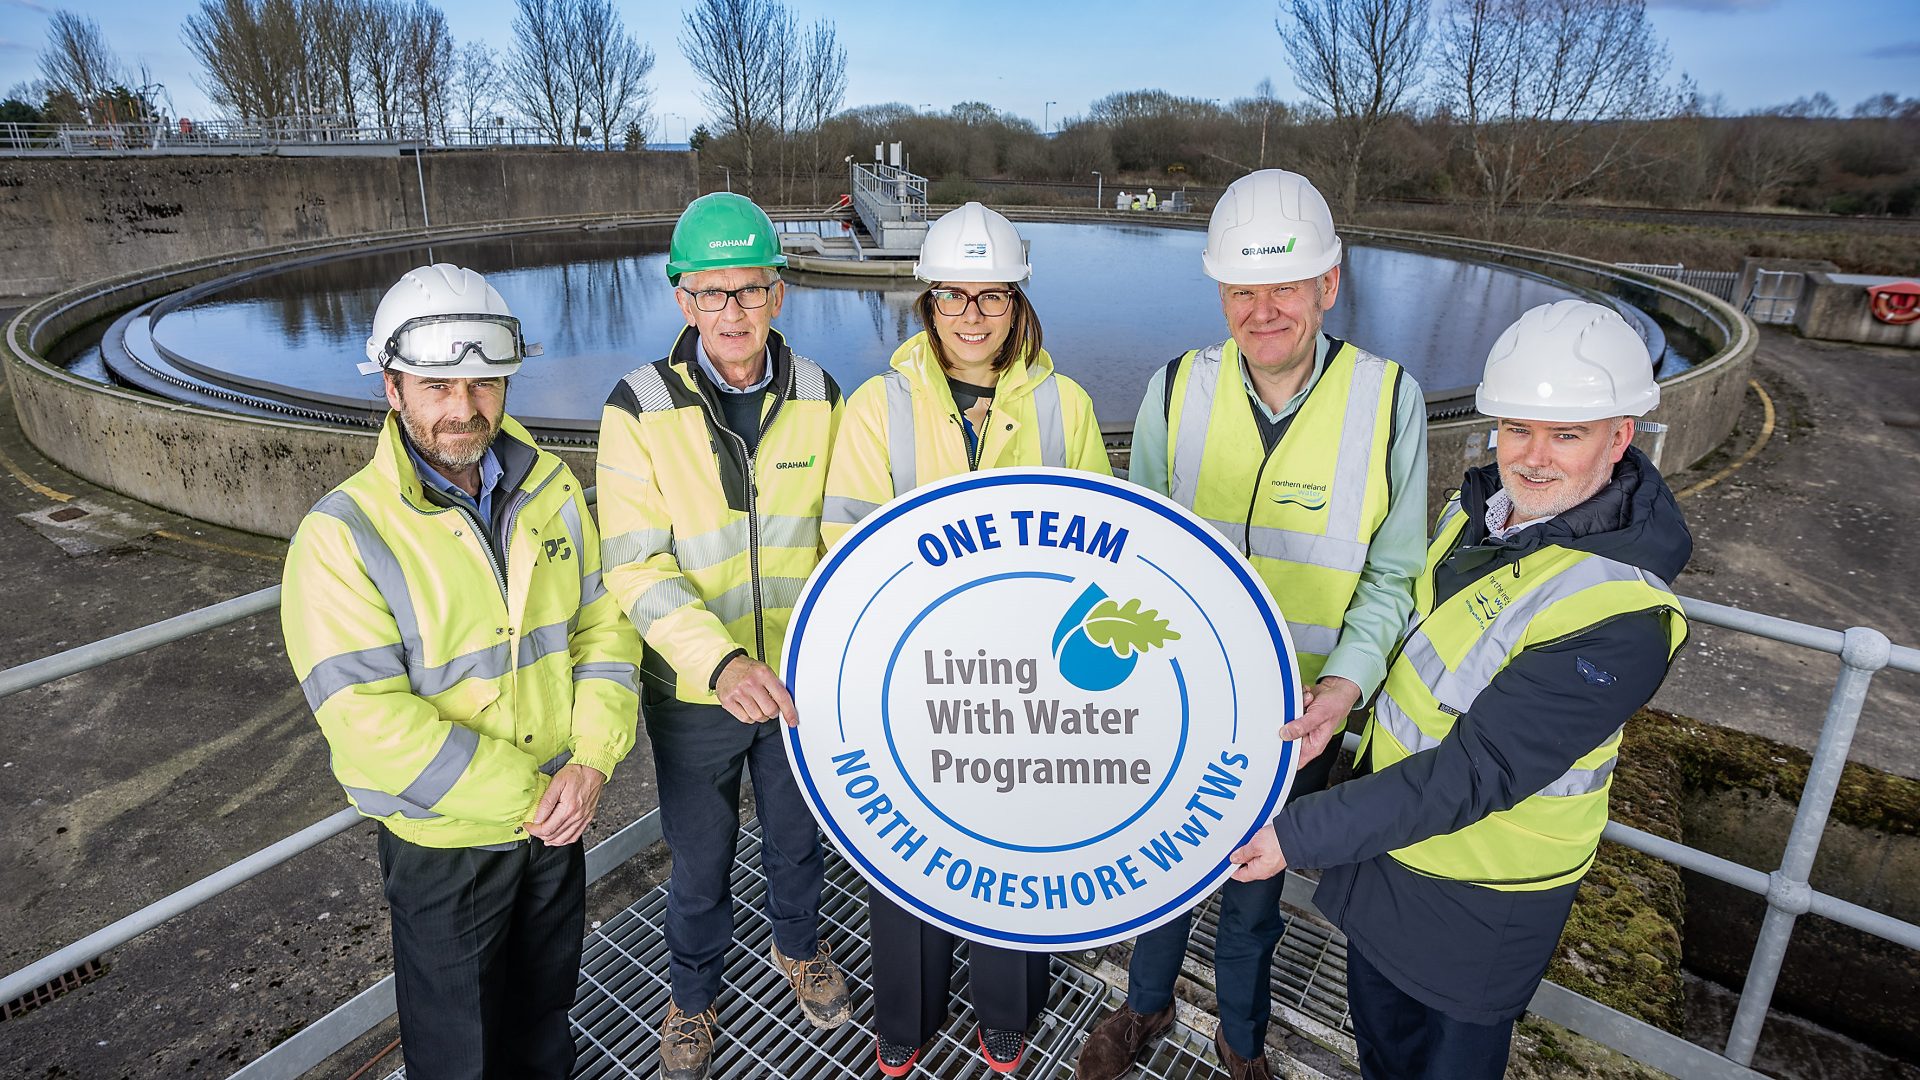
(712,465)
(475,683)
(1309,454)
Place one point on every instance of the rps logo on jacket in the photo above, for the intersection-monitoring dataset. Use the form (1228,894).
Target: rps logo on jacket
(559,549)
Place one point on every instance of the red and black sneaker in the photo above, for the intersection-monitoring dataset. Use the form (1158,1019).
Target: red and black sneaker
(895,1059)
(1002,1048)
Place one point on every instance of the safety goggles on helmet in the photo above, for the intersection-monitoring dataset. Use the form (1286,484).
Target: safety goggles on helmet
(447,341)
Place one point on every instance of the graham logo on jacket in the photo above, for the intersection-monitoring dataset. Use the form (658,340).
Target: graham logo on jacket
(807,464)
(556,550)
(1305,496)
(1487,602)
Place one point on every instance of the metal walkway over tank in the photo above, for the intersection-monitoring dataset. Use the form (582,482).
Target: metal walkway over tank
(623,996)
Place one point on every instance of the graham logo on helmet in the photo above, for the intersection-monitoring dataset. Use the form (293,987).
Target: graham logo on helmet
(1272,249)
(748,242)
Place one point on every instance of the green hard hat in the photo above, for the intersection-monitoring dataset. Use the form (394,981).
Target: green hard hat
(721,230)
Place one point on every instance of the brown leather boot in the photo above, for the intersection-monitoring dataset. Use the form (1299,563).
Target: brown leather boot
(686,1044)
(817,985)
(1237,1067)
(1116,1044)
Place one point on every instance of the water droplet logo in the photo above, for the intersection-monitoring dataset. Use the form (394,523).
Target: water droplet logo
(1098,642)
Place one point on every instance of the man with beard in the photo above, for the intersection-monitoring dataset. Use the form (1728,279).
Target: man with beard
(475,682)
(1543,620)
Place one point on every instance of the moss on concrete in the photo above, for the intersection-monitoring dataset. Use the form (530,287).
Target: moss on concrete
(1543,1050)
(1717,759)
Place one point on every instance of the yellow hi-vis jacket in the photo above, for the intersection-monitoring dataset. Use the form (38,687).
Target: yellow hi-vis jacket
(903,430)
(451,684)
(707,546)
(1304,514)
(1453,652)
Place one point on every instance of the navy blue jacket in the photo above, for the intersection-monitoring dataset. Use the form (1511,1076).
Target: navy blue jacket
(1474,953)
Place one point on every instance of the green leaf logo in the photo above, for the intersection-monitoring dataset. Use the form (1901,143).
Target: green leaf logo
(1125,629)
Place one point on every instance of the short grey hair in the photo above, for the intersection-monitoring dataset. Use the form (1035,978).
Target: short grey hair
(688,279)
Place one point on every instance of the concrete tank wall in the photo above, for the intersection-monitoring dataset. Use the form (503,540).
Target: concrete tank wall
(65,221)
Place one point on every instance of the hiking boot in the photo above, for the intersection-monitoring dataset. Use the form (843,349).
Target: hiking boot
(895,1059)
(1237,1067)
(686,1044)
(817,985)
(1002,1048)
(1112,1048)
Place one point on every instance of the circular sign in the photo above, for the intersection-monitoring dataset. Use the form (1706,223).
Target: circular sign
(1039,707)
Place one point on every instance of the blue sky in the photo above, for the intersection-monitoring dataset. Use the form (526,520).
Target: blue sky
(1019,56)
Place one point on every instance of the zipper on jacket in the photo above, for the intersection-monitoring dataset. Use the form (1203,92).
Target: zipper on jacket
(750,458)
(480,536)
(979,435)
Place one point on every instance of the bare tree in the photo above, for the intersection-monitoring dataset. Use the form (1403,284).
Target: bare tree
(823,87)
(253,55)
(79,61)
(733,48)
(476,82)
(331,39)
(426,65)
(613,71)
(1552,94)
(542,75)
(1360,60)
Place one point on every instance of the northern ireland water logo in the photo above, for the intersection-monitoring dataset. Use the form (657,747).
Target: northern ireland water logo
(1038,707)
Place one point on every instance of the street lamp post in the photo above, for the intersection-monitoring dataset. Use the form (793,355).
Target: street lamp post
(1099,190)
(1046,115)
(684,136)
(729,173)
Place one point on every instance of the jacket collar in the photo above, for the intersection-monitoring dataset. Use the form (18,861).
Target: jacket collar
(513,447)
(1634,519)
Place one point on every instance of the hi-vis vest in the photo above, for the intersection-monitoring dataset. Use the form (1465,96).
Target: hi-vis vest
(902,430)
(446,681)
(707,546)
(1454,651)
(1305,514)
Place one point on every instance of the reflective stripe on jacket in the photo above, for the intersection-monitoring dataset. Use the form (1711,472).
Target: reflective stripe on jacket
(1453,652)
(707,545)
(450,682)
(1304,514)
(903,430)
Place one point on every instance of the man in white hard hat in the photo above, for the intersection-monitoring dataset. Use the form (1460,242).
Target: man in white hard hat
(475,683)
(1543,621)
(1309,454)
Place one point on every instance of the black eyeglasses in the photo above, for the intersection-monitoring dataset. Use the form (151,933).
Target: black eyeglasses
(748,297)
(992,303)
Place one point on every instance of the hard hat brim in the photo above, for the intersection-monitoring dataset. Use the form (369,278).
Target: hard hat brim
(1488,405)
(930,274)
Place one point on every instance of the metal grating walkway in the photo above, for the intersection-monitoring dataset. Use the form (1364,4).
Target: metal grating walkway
(624,993)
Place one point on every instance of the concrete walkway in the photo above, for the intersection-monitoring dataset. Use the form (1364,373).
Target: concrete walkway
(1822,526)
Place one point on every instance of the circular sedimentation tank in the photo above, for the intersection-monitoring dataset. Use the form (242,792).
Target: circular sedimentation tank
(1117,302)
(226,389)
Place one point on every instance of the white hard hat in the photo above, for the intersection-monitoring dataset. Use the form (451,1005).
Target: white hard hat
(444,321)
(1270,227)
(972,243)
(1571,361)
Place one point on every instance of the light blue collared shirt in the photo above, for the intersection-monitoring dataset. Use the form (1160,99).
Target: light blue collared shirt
(706,365)
(490,473)
(1397,553)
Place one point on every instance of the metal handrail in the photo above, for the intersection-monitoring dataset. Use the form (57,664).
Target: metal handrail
(1862,651)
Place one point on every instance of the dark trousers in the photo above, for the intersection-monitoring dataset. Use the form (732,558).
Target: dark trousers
(1400,1038)
(699,752)
(913,965)
(486,957)
(1250,926)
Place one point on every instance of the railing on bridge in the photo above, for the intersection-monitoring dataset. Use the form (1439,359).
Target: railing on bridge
(1720,283)
(1862,652)
(889,191)
(186,136)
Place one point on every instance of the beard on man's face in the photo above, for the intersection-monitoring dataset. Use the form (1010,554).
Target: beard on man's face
(449,444)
